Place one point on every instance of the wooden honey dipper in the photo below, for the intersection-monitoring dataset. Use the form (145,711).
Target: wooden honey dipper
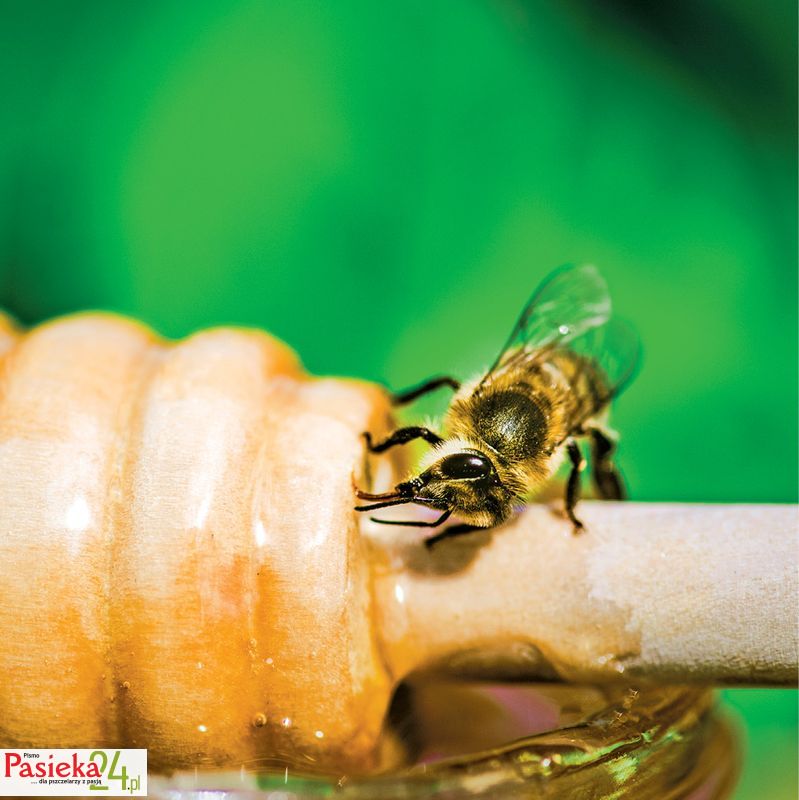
(183,570)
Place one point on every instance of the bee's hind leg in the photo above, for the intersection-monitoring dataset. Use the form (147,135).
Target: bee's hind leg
(573,485)
(409,395)
(402,436)
(607,480)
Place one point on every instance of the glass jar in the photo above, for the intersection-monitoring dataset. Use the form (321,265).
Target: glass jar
(469,740)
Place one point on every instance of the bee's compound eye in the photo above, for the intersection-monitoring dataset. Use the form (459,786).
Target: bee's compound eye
(465,465)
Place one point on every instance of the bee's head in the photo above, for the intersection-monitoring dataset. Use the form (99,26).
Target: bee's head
(466,482)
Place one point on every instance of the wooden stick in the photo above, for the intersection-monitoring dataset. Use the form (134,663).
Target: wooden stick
(649,592)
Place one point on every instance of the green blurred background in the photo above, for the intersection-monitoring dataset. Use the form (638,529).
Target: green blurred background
(382,184)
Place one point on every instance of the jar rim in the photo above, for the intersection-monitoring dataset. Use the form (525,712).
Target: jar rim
(642,742)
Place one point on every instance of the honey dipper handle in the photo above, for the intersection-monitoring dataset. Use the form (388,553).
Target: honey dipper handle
(655,592)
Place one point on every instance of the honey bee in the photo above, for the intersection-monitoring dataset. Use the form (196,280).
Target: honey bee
(509,430)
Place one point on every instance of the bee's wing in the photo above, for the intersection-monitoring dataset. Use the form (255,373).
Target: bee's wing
(574,299)
(613,350)
(609,353)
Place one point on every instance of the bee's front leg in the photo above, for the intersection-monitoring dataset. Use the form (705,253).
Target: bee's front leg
(402,436)
(409,395)
(573,485)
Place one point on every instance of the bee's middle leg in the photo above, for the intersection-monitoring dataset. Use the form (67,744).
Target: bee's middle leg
(573,485)
(606,477)
(402,436)
(451,532)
